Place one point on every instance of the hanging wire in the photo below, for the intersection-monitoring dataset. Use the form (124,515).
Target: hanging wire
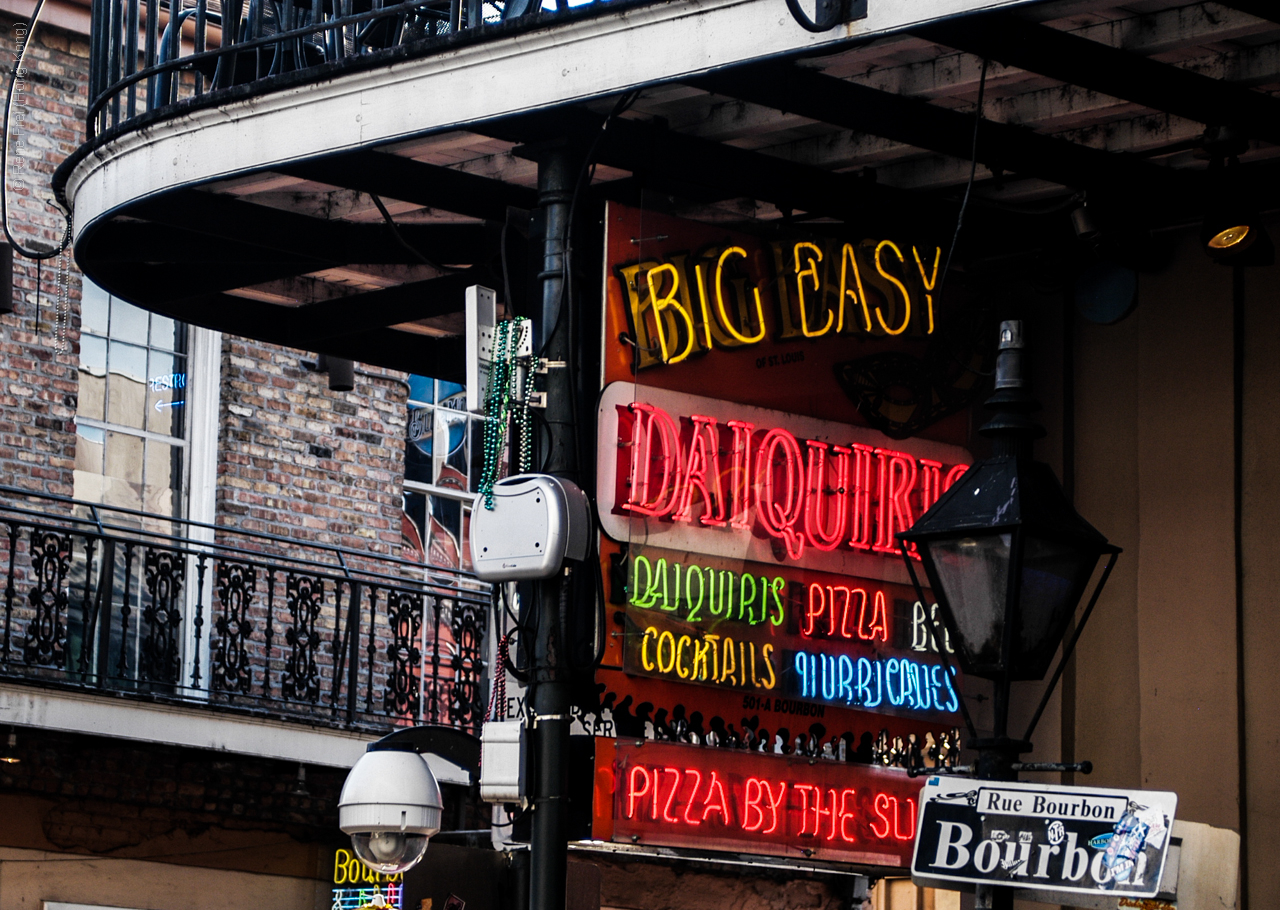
(20,69)
(964,205)
(968,187)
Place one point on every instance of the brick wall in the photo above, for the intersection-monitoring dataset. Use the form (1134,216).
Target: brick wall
(299,461)
(131,799)
(38,382)
(96,795)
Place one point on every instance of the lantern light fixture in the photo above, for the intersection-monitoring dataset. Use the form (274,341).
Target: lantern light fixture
(1008,558)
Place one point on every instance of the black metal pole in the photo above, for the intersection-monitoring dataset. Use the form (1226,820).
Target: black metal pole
(1011,431)
(557,172)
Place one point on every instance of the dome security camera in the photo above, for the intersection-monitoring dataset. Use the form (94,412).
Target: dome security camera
(390,805)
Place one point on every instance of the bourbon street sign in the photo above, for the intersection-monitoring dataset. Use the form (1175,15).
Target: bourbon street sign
(1050,838)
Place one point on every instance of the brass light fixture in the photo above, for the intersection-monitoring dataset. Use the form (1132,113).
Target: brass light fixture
(1232,233)
(10,755)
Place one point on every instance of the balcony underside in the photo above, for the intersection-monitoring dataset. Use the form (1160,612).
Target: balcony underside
(257,215)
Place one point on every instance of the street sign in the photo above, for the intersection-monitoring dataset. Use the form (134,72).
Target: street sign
(1050,838)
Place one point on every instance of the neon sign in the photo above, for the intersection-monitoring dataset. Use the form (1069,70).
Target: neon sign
(358,887)
(733,476)
(167,381)
(659,585)
(870,683)
(679,795)
(788,634)
(694,303)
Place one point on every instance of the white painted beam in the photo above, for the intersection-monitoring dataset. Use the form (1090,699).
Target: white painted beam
(197,728)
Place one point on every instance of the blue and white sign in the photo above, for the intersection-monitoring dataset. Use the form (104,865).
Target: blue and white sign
(1052,838)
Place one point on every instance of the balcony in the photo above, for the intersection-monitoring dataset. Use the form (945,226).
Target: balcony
(205,636)
(331,175)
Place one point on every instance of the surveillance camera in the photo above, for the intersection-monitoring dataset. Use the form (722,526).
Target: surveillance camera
(390,805)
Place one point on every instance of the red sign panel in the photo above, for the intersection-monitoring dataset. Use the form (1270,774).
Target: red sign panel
(674,795)
(752,471)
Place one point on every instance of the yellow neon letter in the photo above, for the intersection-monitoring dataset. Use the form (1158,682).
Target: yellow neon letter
(929,283)
(659,304)
(849,258)
(767,653)
(724,316)
(811,271)
(644,648)
(906,298)
(680,646)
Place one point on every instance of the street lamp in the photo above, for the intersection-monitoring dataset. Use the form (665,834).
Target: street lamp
(1008,560)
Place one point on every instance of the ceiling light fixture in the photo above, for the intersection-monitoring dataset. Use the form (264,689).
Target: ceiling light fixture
(10,755)
(1231,232)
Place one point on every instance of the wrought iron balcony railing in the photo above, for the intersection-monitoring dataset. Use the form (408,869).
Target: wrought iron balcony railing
(148,56)
(109,599)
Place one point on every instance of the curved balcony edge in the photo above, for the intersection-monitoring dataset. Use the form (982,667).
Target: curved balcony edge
(468,81)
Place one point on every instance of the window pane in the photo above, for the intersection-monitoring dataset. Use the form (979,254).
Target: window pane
(93,308)
(458,439)
(421,389)
(93,377)
(90,442)
(166,393)
(127,391)
(123,468)
(164,478)
(166,333)
(128,323)
(451,449)
(477,454)
(451,395)
(444,520)
(413,524)
(417,447)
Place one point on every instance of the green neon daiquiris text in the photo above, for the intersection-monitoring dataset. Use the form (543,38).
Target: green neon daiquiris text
(695,592)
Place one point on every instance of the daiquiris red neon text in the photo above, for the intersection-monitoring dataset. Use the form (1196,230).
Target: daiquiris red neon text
(803,493)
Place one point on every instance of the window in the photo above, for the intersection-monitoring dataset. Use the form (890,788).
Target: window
(131,421)
(443,460)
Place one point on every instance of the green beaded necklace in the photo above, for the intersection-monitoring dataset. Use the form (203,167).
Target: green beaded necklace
(505,403)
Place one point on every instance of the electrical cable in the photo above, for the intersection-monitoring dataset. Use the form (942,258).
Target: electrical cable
(964,205)
(968,188)
(20,68)
(395,232)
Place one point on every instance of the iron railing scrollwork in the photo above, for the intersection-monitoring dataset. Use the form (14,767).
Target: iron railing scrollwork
(301,677)
(50,554)
(147,56)
(237,620)
(165,573)
(237,583)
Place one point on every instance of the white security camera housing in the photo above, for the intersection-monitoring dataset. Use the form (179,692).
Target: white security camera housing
(390,805)
(536,523)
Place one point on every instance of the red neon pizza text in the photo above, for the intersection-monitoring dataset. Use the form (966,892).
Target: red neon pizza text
(691,798)
(802,492)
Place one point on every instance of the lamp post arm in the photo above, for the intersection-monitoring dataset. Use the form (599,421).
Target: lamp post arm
(942,647)
(1071,645)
